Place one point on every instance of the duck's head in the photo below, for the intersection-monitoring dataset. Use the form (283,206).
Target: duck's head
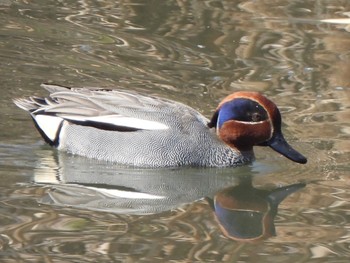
(245,119)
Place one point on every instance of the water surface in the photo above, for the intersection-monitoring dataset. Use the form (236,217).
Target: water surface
(195,52)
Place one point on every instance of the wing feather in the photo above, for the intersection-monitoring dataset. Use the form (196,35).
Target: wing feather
(104,109)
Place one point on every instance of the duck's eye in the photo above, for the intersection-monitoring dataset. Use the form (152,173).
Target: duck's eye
(256,116)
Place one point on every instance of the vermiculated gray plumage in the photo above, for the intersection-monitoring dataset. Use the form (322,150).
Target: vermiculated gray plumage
(162,133)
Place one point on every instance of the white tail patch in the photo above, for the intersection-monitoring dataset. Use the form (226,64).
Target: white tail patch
(121,121)
(48,124)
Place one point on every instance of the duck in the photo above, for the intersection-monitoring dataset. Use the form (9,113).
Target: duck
(132,129)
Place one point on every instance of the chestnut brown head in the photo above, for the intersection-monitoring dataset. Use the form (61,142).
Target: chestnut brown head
(245,119)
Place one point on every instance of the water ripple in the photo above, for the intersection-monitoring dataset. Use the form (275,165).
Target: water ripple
(196,52)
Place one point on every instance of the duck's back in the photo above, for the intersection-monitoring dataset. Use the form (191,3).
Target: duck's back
(128,128)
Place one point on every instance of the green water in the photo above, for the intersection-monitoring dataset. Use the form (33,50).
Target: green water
(196,52)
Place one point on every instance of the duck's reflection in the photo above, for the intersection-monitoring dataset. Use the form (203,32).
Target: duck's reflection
(243,212)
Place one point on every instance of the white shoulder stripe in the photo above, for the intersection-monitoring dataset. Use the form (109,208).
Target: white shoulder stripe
(48,124)
(120,121)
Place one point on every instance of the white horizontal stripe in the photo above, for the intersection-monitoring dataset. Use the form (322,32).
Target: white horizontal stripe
(125,194)
(344,21)
(121,121)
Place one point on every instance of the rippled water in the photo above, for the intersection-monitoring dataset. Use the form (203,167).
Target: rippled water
(61,208)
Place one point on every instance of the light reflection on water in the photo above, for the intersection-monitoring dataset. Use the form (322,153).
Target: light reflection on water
(195,52)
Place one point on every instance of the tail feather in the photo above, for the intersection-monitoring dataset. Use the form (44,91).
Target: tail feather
(52,88)
(49,126)
(29,104)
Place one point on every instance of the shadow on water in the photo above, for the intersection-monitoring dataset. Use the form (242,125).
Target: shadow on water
(243,212)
